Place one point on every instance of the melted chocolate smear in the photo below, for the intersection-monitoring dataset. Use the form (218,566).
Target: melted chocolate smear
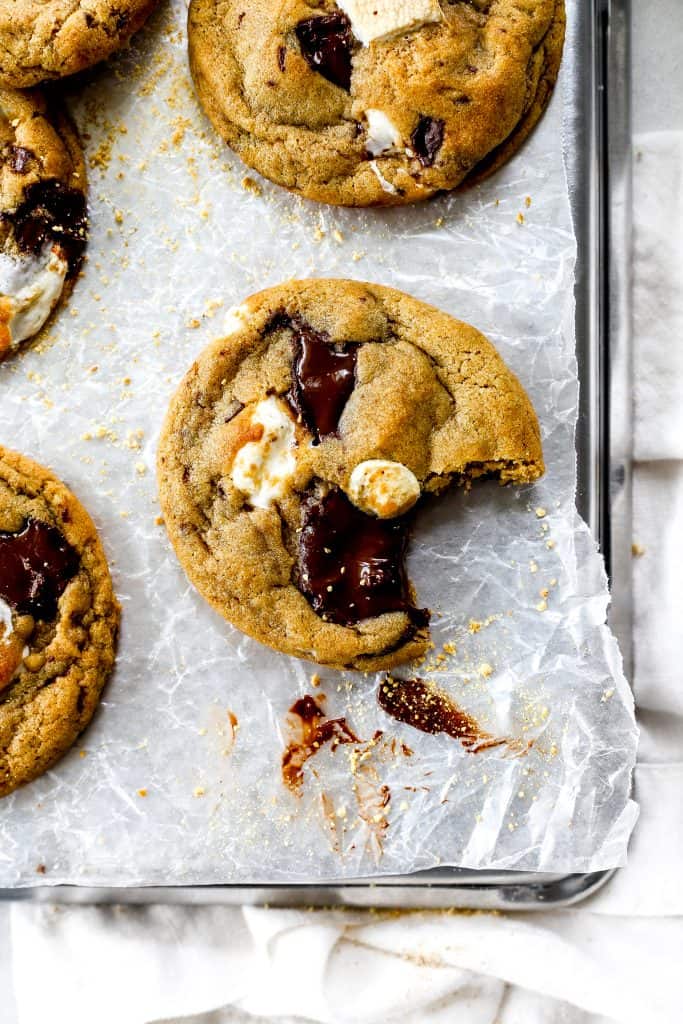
(312,730)
(417,703)
(51,212)
(326,43)
(35,566)
(351,564)
(427,139)
(323,379)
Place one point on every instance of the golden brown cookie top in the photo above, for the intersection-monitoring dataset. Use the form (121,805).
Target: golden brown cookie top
(58,619)
(46,39)
(43,216)
(298,446)
(366,102)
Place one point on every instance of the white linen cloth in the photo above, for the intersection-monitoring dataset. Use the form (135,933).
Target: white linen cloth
(615,960)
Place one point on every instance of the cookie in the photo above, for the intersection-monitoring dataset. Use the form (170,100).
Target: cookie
(58,620)
(374,102)
(42,40)
(298,447)
(43,214)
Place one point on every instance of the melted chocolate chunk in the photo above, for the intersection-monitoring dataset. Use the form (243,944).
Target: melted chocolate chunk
(427,139)
(35,566)
(417,703)
(312,731)
(324,377)
(326,43)
(351,565)
(51,212)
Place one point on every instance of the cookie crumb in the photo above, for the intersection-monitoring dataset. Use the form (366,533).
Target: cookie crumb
(249,185)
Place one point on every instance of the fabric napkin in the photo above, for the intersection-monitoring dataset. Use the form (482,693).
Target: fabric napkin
(614,960)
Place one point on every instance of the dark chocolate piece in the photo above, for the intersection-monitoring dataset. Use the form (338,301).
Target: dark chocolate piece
(326,43)
(36,564)
(323,378)
(51,212)
(351,564)
(427,139)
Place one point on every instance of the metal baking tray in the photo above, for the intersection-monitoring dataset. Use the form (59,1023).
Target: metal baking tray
(598,159)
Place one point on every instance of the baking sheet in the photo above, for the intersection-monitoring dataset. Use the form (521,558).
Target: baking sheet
(162,789)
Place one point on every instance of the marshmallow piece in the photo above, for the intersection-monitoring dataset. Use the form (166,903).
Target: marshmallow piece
(386,489)
(5,621)
(383,19)
(383,135)
(263,468)
(386,185)
(236,319)
(30,288)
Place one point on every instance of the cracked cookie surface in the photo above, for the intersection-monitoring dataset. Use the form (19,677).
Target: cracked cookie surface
(297,448)
(47,39)
(58,620)
(43,213)
(342,111)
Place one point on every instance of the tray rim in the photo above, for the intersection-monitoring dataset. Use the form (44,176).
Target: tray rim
(597,119)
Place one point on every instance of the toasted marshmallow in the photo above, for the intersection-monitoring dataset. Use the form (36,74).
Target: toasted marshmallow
(386,489)
(262,469)
(383,135)
(30,288)
(383,19)
(236,319)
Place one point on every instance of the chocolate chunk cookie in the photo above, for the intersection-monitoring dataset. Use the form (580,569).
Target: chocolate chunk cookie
(375,102)
(43,216)
(58,620)
(46,39)
(298,447)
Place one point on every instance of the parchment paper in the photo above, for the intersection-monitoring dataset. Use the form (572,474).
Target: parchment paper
(161,789)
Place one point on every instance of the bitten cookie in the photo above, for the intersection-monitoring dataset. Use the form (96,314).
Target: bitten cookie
(58,620)
(46,39)
(375,102)
(297,447)
(43,215)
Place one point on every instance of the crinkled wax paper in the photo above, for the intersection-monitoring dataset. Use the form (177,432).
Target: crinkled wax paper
(161,788)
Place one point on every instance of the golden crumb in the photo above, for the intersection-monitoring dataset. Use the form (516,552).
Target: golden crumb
(541,513)
(249,185)
(485,670)
(637,550)
(520,218)
(474,626)
(198,791)
(527,202)
(142,792)
(315,679)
